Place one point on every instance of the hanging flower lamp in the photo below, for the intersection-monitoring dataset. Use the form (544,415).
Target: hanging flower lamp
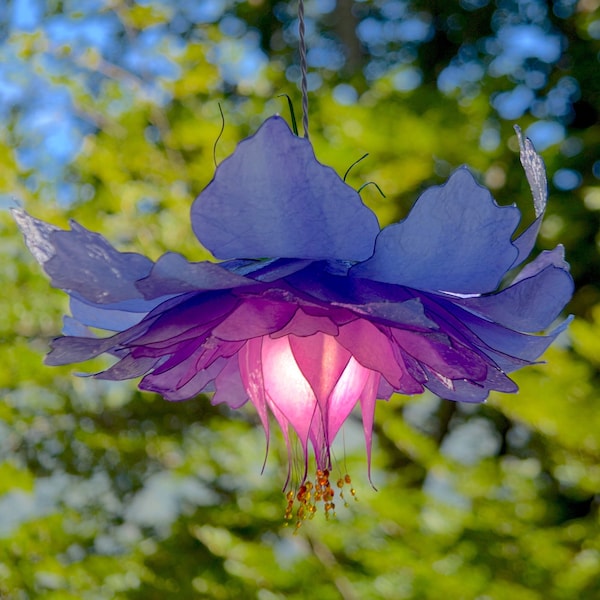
(314,310)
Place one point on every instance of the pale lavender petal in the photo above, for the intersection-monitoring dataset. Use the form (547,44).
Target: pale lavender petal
(272,198)
(37,235)
(173,274)
(83,262)
(455,239)
(535,172)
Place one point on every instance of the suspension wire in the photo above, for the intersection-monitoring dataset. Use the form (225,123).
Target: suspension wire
(303,67)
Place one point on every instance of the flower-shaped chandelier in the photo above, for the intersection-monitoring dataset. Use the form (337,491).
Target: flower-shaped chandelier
(314,310)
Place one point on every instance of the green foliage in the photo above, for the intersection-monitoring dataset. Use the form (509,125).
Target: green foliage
(108,493)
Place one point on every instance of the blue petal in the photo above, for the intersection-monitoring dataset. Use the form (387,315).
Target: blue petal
(272,198)
(533,301)
(455,239)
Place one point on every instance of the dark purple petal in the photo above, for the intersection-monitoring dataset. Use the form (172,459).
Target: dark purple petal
(455,239)
(272,198)
(194,315)
(173,274)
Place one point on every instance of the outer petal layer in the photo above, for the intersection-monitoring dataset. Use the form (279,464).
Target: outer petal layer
(455,239)
(271,197)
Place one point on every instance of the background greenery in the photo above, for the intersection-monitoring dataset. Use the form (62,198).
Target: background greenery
(109,114)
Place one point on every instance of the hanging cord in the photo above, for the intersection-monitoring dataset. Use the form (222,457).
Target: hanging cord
(303,67)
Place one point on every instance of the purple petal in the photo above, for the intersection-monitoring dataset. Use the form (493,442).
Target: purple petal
(303,325)
(127,368)
(531,304)
(468,391)
(455,239)
(371,348)
(172,387)
(229,386)
(255,317)
(272,198)
(443,355)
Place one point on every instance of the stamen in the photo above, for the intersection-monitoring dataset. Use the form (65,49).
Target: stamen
(309,495)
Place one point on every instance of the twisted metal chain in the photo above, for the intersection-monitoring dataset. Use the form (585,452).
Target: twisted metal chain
(303,67)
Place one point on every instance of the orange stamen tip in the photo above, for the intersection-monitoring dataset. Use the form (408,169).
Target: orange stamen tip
(308,495)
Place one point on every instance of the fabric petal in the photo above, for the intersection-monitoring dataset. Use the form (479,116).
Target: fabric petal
(372,349)
(272,198)
(254,317)
(455,239)
(83,262)
(531,304)
(321,360)
(229,386)
(303,325)
(173,274)
(368,400)
(535,171)
(287,388)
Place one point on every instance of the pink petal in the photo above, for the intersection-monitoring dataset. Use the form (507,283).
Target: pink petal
(321,360)
(286,387)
